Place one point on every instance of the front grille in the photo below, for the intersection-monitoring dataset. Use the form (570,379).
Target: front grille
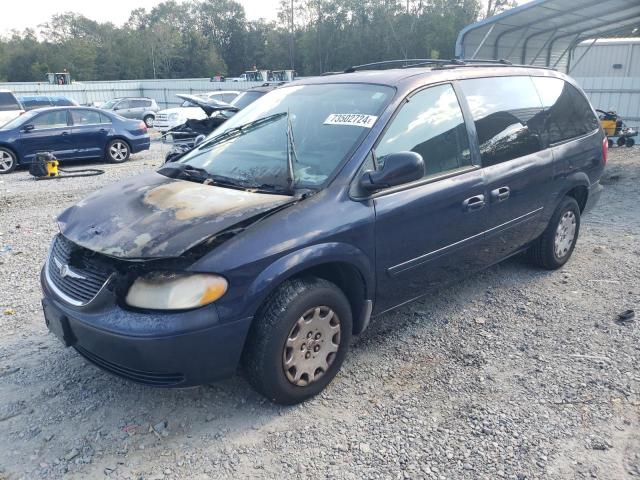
(73,274)
(147,378)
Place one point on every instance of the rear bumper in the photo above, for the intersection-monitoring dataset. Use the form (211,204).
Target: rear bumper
(179,349)
(140,144)
(595,191)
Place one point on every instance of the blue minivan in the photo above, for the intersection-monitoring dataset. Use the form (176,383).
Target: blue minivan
(70,133)
(326,202)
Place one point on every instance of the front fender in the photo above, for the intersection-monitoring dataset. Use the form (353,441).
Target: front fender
(299,261)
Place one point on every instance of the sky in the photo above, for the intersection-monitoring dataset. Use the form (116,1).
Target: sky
(31,13)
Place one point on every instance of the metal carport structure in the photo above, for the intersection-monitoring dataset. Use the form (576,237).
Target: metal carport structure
(544,32)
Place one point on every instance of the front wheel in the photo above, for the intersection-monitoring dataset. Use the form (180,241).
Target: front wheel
(554,247)
(118,151)
(148,121)
(298,341)
(630,142)
(8,160)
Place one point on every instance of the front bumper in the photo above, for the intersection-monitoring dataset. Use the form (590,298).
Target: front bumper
(179,349)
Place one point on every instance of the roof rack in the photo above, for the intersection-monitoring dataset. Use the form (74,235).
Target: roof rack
(438,62)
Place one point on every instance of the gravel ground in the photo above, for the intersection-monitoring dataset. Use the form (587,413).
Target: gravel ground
(514,373)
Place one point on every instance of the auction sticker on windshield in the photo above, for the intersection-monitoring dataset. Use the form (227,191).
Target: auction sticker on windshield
(355,119)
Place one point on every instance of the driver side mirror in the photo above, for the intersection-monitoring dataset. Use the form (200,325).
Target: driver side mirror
(398,169)
(28,127)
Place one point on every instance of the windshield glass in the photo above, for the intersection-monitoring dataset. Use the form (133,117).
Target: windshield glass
(245,98)
(110,103)
(311,130)
(16,122)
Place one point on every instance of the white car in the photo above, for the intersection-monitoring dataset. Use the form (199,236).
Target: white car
(10,106)
(172,117)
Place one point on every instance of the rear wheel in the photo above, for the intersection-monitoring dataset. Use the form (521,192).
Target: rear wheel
(555,246)
(298,341)
(118,151)
(630,142)
(148,121)
(610,142)
(8,160)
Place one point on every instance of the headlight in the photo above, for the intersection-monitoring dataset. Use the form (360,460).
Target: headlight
(171,291)
(173,116)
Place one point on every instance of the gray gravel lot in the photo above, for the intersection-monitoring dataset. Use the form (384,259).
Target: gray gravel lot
(514,373)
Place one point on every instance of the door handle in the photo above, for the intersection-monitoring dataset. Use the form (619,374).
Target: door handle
(473,203)
(103,130)
(64,133)
(500,194)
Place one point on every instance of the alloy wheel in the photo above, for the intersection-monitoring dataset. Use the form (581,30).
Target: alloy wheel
(565,233)
(118,151)
(6,161)
(311,346)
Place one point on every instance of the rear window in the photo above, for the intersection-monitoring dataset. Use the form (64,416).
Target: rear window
(8,102)
(63,102)
(30,103)
(508,115)
(568,113)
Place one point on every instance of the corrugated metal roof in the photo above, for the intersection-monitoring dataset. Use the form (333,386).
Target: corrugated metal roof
(543,32)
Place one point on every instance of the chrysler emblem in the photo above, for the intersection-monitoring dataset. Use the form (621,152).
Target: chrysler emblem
(65,271)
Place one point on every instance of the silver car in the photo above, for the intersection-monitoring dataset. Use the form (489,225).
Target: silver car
(141,108)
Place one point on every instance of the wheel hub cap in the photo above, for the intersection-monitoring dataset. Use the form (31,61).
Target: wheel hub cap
(565,233)
(6,161)
(311,346)
(118,151)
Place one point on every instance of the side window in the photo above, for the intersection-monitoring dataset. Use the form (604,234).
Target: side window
(228,97)
(55,119)
(568,113)
(431,124)
(138,104)
(123,105)
(104,118)
(85,117)
(508,115)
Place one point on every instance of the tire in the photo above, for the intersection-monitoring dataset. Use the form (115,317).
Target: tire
(277,340)
(610,142)
(8,161)
(118,151)
(621,141)
(630,142)
(543,251)
(148,120)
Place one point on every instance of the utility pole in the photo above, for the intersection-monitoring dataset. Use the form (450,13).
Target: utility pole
(291,38)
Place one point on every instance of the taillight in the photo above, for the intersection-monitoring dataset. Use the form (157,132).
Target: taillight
(605,150)
(143,127)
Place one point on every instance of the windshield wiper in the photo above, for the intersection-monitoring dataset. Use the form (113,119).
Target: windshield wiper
(197,174)
(292,156)
(241,129)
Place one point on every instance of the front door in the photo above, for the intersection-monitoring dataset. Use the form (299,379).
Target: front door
(123,108)
(427,232)
(89,133)
(47,132)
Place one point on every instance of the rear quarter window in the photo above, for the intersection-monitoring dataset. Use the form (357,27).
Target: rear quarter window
(567,111)
(508,116)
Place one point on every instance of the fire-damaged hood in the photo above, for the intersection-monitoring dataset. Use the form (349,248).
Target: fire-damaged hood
(153,216)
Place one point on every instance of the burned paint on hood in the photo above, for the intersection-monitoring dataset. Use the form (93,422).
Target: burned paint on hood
(153,216)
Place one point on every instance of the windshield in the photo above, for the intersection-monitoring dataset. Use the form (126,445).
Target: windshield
(245,98)
(316,125)
(16,122)
(110,103)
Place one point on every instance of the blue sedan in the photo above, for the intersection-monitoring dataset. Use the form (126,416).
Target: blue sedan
(70,133)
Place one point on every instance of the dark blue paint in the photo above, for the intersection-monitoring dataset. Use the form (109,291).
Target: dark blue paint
(72,142)
(400,242)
